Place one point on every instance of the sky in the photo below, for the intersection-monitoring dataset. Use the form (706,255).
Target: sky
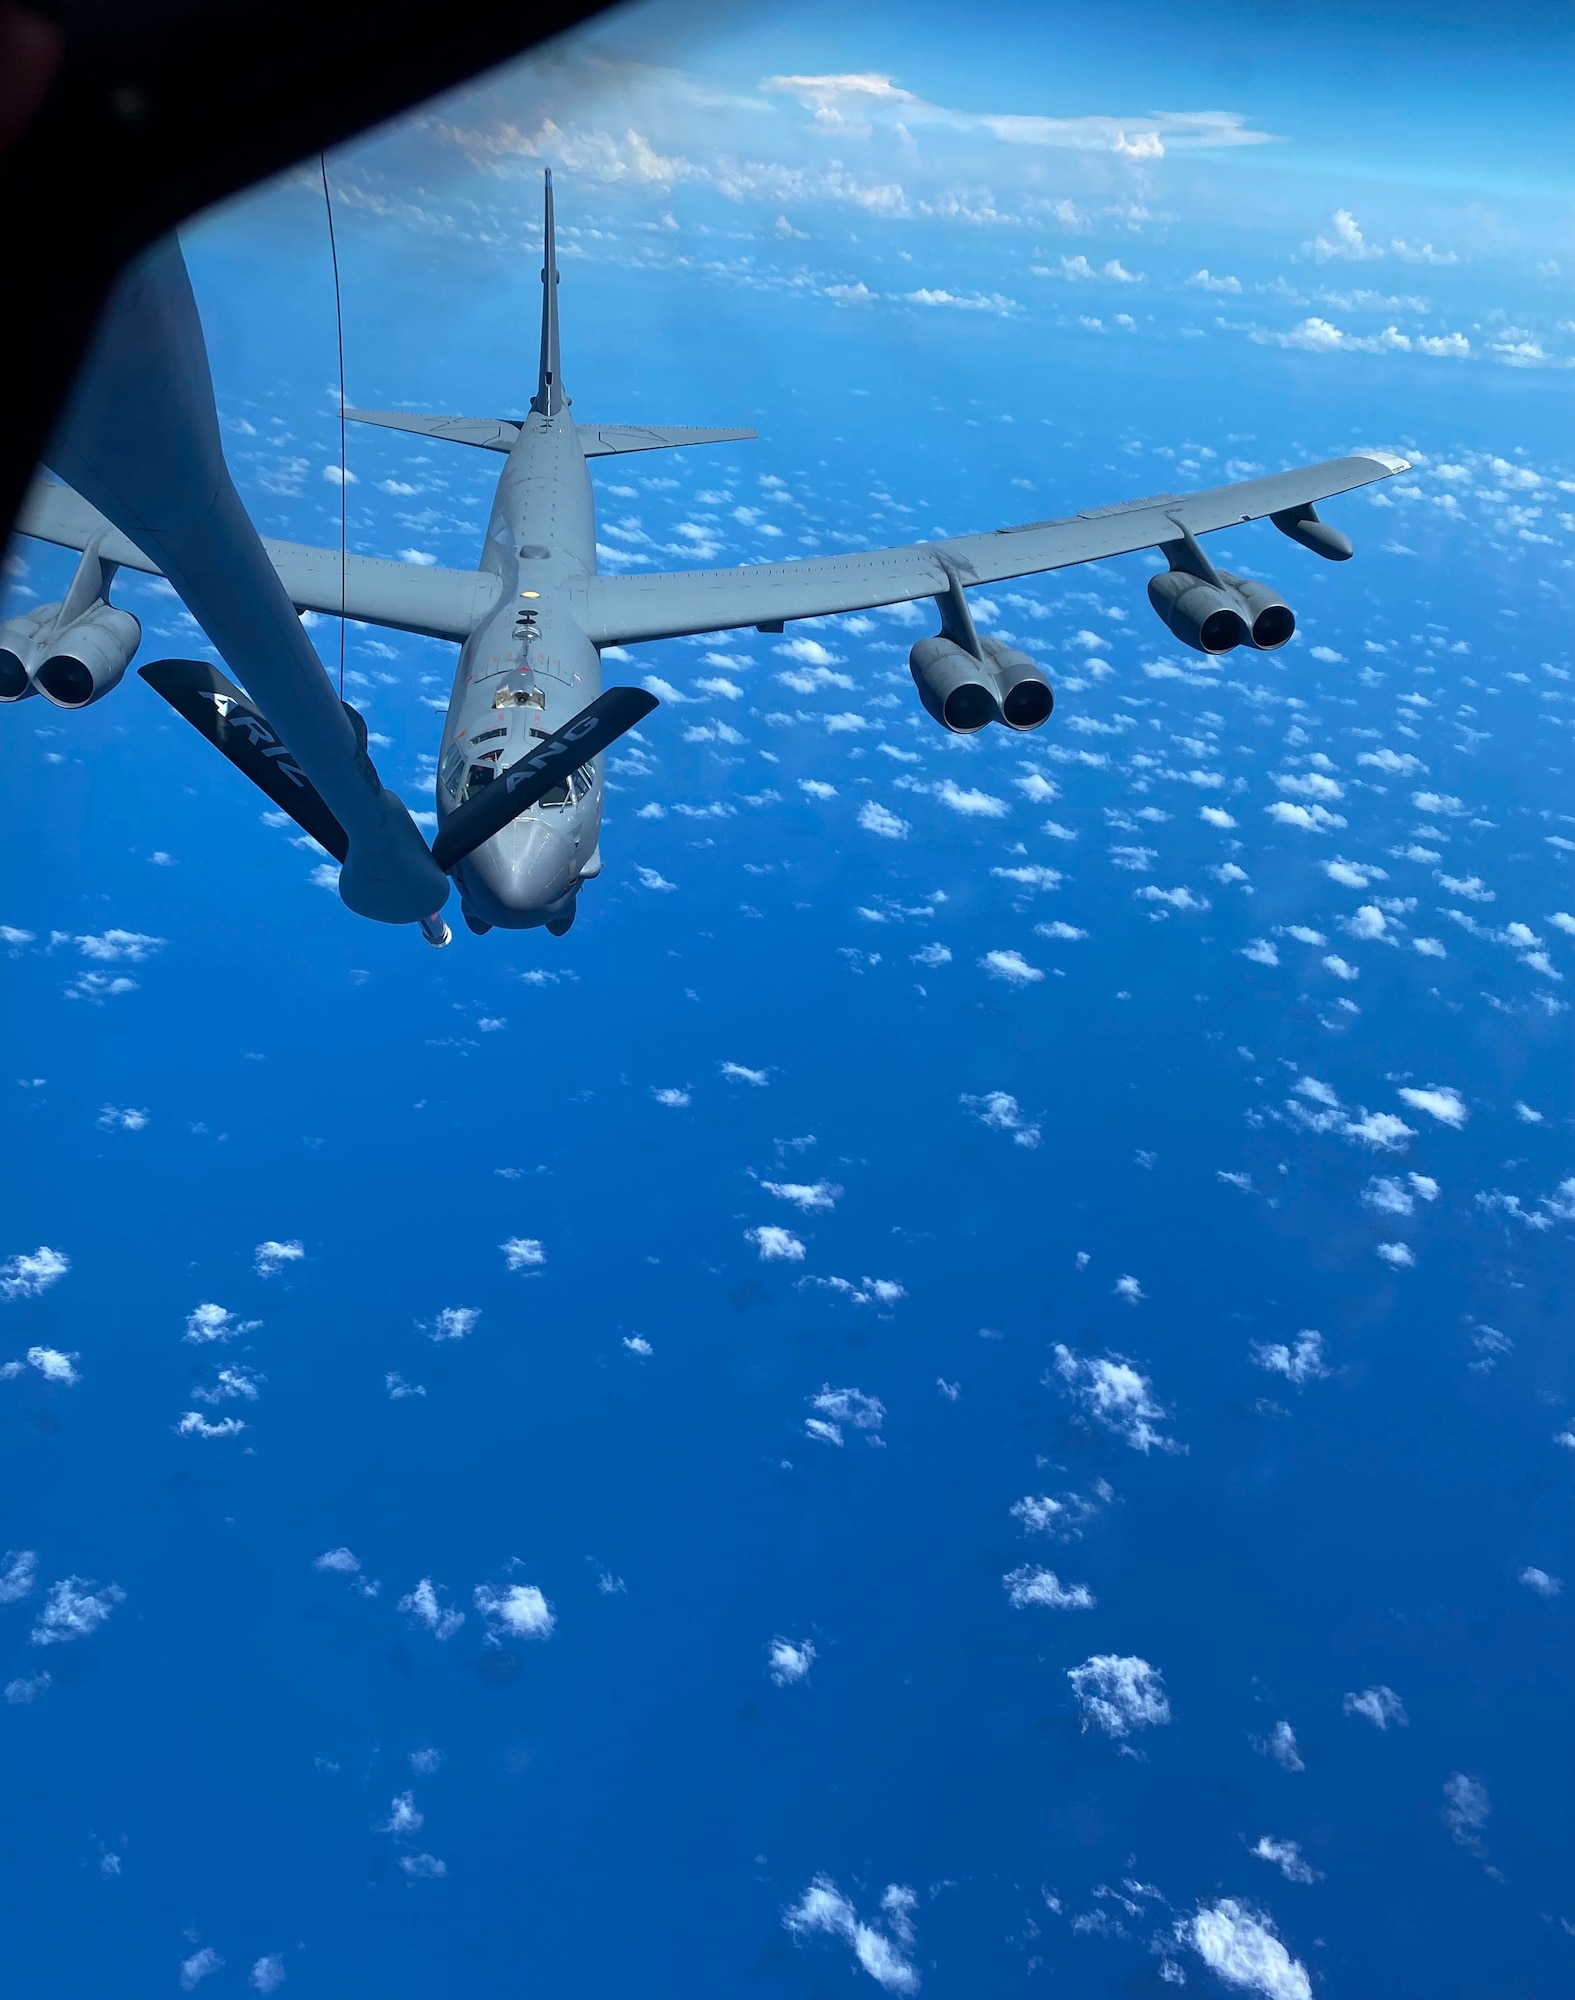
(964,1388)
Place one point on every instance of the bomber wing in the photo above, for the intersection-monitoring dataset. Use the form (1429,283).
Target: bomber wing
(622,610)
(438,603)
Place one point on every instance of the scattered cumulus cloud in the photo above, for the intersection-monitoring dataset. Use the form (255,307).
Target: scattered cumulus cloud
(72,1609)
(1379,1705)
(30,1273)
(775,1244)
(516,1611)
(1243,1951)
(270,1258)
(523,1253)
(1115,1395)
(1119,1694)
(1028,1585)
(788,1662)
(1001,1112)
(878,1951)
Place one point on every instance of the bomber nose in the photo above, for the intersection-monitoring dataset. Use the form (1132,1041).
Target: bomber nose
(525,867)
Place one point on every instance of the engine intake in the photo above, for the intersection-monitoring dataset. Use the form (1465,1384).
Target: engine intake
(88,657)
(1271,621)
(958,690)
(1026,697)
(1202,616)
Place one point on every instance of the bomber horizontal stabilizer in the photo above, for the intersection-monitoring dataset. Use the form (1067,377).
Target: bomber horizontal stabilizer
(517,789)
(491,433)
(216,708)
(608,440)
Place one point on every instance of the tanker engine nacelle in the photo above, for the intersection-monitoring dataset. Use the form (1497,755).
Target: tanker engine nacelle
(966,691)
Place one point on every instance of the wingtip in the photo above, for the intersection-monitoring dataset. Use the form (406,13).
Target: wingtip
(1389,460)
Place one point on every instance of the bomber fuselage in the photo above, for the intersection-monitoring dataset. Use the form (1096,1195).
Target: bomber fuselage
(525,671)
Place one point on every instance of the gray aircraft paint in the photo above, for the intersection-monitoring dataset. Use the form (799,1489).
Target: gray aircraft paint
(533,617)
(140,440)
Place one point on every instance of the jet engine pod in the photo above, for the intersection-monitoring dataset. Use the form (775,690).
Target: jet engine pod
(88,658)
(1207,619)
(19,650)
(1272,619)
(1026,697)
(958,690)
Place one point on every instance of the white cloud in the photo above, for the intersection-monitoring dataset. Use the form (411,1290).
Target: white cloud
(271,1257)
(813,1197)
(776,1245)
(73,1609)
(874,818)
(976,804)
(1437,805)
(523,1253)
(1540,1581)
(1302,1362)
(931,954)
(422,1605)
(1039,789)
(1027,1585)
(1062,933)
(1031,876)
(1399,1255)
(517,1611)
(267,1975)
(54,1366)
(1388,1195)
(1215,816)
(402,1816)
(1115,1395)
(31,1272)
(1205,281)
(1310,819)
(1466,1809)
(1261,952)
(787,1662)
(18,1575)
(1381,1130)
(1341,968)
(849,1406)
(1439,1102)
(736,1073)
(824,1908)
(197,1968)
(1379,1705)
(1002,1113)
(1280,1744)
(455,1322)
(115,1119)
(1287,1857)
(1010,966)
(651,878)
(209,1322)
(675,1100)
(113,945)
(1367,923)
(1119,1694)
(1129,1289)
(812,654)
(343,1562)
(423,1867)
(195,1424)
(1244,1951)
(638,1344)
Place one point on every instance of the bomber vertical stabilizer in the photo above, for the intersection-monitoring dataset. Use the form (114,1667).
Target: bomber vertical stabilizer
(549,398)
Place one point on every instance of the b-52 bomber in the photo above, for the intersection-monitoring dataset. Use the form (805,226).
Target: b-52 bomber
(141,484)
